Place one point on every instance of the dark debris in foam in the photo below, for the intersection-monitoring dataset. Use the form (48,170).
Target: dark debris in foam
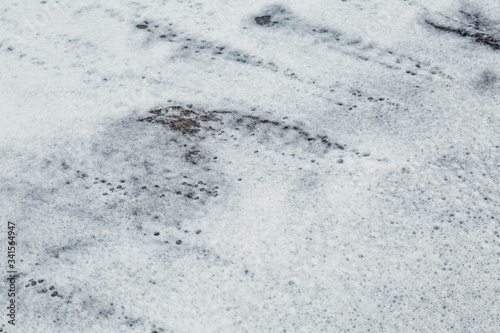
(40,286)
(279,17)
(202,123)
(274,15)
(472,26)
